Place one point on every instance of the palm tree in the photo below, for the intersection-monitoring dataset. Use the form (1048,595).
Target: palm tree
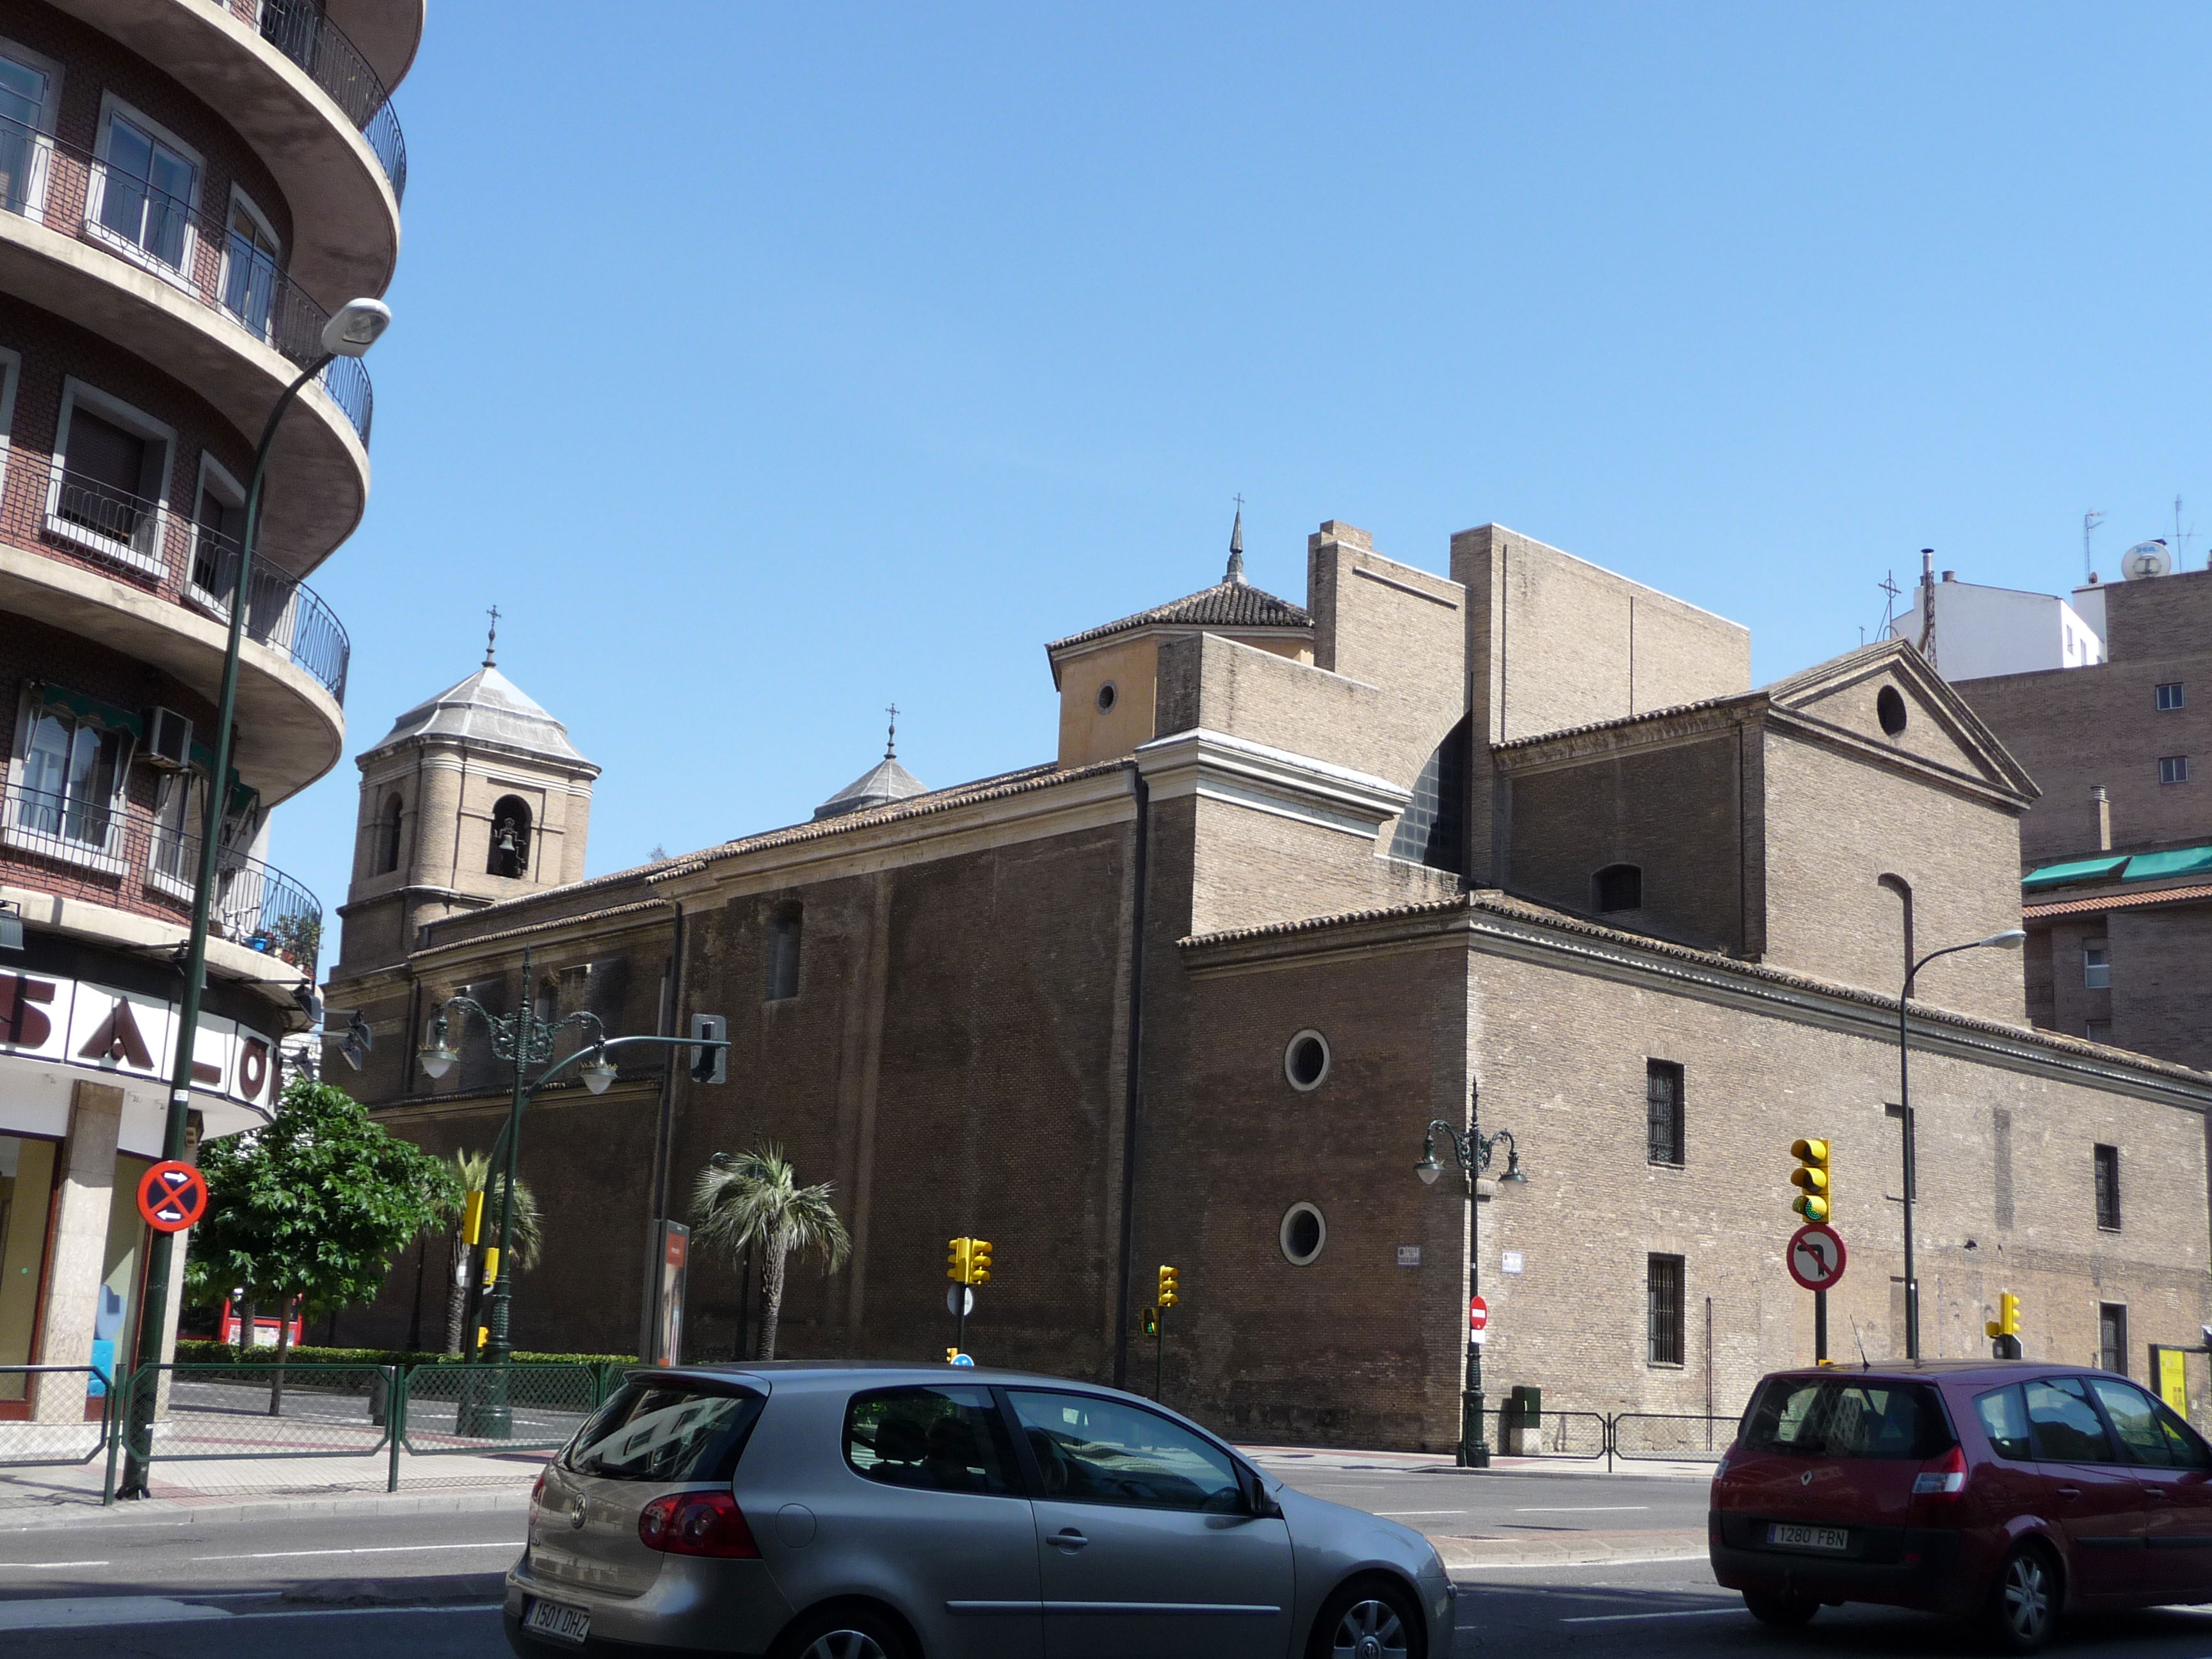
(755,1199)
(474,1171)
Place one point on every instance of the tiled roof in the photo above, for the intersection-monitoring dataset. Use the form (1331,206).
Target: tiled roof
(1226,605)
(2139,901)
(491,708)
(1500,903)
(885,782)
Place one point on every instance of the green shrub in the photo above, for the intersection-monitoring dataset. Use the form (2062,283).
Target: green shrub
(222,1354)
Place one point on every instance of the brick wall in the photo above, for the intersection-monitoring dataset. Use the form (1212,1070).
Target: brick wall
(2157,1002)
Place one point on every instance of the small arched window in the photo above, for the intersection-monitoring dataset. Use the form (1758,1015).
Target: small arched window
(387,836)
(784,929)
(510,838)
(1619,887)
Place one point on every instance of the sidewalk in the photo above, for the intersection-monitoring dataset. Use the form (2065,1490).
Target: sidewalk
(1331,1457)
(201,1481)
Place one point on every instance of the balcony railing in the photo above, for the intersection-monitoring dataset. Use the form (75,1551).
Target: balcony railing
(74,192)
(299,30)
(44,502)
(128,857)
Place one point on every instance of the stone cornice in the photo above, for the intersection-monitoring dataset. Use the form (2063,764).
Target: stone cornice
(1662,728)
(1216,766)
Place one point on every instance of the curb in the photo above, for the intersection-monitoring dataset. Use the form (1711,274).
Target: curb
(192,1512)
(1614,1549)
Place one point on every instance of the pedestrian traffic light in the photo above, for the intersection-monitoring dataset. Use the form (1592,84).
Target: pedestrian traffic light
(957,1269)
(1167,1283)
(1811,1179)
(710,1065)
(1151,1325)
(979,1262)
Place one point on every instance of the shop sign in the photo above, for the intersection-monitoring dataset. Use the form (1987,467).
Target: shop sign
(102,1027)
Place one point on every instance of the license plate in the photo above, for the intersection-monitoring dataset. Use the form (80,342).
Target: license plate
(1808,1538)
(558,1621)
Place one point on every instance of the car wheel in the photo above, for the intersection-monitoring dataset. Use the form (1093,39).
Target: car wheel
(1367,1621)
(1783,1612)
(2024,1602)
(843,1633)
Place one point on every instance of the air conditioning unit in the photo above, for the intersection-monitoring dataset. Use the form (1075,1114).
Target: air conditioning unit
(169,738)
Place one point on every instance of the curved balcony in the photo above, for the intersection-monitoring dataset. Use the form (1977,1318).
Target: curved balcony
(388,33)
(145,864)
(199,301)
(135,575)
(310,103)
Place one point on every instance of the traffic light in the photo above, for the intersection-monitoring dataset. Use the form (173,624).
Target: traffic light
(710,1065)
(1811,1179)
(979,1262)
(472,1218)
(2004,1329)
(957,1269)
(952,1355)
(1167,1283)
(1151,1325)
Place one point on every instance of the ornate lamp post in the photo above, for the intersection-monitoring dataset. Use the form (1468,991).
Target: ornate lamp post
(528,1041)
(1472,1150)
(2011,940)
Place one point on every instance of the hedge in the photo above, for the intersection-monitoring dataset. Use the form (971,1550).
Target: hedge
(222,1354)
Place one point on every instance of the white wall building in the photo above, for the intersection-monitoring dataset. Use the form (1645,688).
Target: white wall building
(1982,631)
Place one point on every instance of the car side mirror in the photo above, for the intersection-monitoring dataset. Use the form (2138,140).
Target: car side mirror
(1257,1501)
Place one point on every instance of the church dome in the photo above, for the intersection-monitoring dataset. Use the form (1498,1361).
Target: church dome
(488,709)
(882,785)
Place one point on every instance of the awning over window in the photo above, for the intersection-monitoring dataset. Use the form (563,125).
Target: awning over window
(91,708)
(2058,875)
(2146,866)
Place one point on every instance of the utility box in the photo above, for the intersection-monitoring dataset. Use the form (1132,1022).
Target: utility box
(1523,1422)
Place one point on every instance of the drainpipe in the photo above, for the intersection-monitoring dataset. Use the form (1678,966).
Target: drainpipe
(1131,1064)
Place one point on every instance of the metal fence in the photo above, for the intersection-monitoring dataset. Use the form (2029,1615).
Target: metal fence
(1580,1437)
(335,1424)
(299,29)
(1652,1438)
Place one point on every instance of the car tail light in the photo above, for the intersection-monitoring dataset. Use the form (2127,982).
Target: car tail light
(538,1493)
(1945,1477)
(697,1523)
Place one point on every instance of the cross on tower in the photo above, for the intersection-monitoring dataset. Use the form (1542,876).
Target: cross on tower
(491,639)
(891,742)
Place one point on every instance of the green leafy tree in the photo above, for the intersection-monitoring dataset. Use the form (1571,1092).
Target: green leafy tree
(312,1208)
(755,1198)
(473,1171)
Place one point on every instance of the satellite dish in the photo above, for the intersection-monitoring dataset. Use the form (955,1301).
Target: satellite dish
(2146,559)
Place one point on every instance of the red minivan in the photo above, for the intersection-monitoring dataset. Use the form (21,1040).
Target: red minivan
(2002,1490)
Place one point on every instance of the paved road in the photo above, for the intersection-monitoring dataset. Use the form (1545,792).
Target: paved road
(1445,1502)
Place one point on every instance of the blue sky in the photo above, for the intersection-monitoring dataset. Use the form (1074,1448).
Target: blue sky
(767,364)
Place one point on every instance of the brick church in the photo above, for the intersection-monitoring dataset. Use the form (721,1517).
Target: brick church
(1300,879)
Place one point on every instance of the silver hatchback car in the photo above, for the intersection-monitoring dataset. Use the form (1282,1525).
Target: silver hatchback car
(845,1511)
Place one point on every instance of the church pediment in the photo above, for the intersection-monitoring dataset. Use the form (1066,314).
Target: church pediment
(1885,701)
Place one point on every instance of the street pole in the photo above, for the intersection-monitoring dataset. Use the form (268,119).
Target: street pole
(1160,1357)
(2010,939)
(153,1317)
(1472,1151)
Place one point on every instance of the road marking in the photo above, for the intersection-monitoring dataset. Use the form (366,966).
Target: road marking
(1625,1617)
(34,1565)
(1557,1566)
(349,1613)
(1583,1508)
(1393,1513)
(369,1549)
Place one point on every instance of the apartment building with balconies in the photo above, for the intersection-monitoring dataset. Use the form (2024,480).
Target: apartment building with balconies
(188,190)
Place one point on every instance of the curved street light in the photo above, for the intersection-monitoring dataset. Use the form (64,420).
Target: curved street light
(2010,939)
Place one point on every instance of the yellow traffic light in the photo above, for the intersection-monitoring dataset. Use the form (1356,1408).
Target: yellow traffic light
(952,1355)
(472,1218)
(491,1267)
(2007,1323)
(979,1262)
(1815,1195)
(1169,1282)
(957,1270)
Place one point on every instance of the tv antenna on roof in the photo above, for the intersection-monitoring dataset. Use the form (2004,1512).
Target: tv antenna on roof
(2181,538)
(2089,523)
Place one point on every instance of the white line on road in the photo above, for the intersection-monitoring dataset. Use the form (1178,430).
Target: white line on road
(34,1565)
(1625,1617)
(1581,1509)
(370,1549)
(1394,1514)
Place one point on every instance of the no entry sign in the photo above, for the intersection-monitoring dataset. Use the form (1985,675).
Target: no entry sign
(1478,1315)
(172,1196)
(1816,1256)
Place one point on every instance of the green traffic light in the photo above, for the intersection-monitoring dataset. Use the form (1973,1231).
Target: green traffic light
(1812,1208)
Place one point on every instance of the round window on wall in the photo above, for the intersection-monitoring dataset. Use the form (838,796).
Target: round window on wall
(1107,697)
(1302,1233)
(1305,1061)
(1889,709)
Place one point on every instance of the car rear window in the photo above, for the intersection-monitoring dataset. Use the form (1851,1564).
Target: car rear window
(1837,1417)
(666,1431)
(942,1439)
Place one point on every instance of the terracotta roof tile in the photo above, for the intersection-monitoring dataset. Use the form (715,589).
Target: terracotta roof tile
(1226,605)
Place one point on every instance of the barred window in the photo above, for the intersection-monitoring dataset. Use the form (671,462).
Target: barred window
(2108,1186)
(1664,1277)
(1663,1111)
(2112,1336)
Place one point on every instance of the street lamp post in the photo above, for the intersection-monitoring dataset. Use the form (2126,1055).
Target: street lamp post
(350,333)
(526,1040)
(2010,939)
(1472,1150)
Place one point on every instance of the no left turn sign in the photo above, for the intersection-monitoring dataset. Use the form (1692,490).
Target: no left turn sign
(1816,1256)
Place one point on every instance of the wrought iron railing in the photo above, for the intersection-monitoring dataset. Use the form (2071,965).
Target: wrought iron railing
(75,191)
(149,862)
(50,503)
(299,29)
